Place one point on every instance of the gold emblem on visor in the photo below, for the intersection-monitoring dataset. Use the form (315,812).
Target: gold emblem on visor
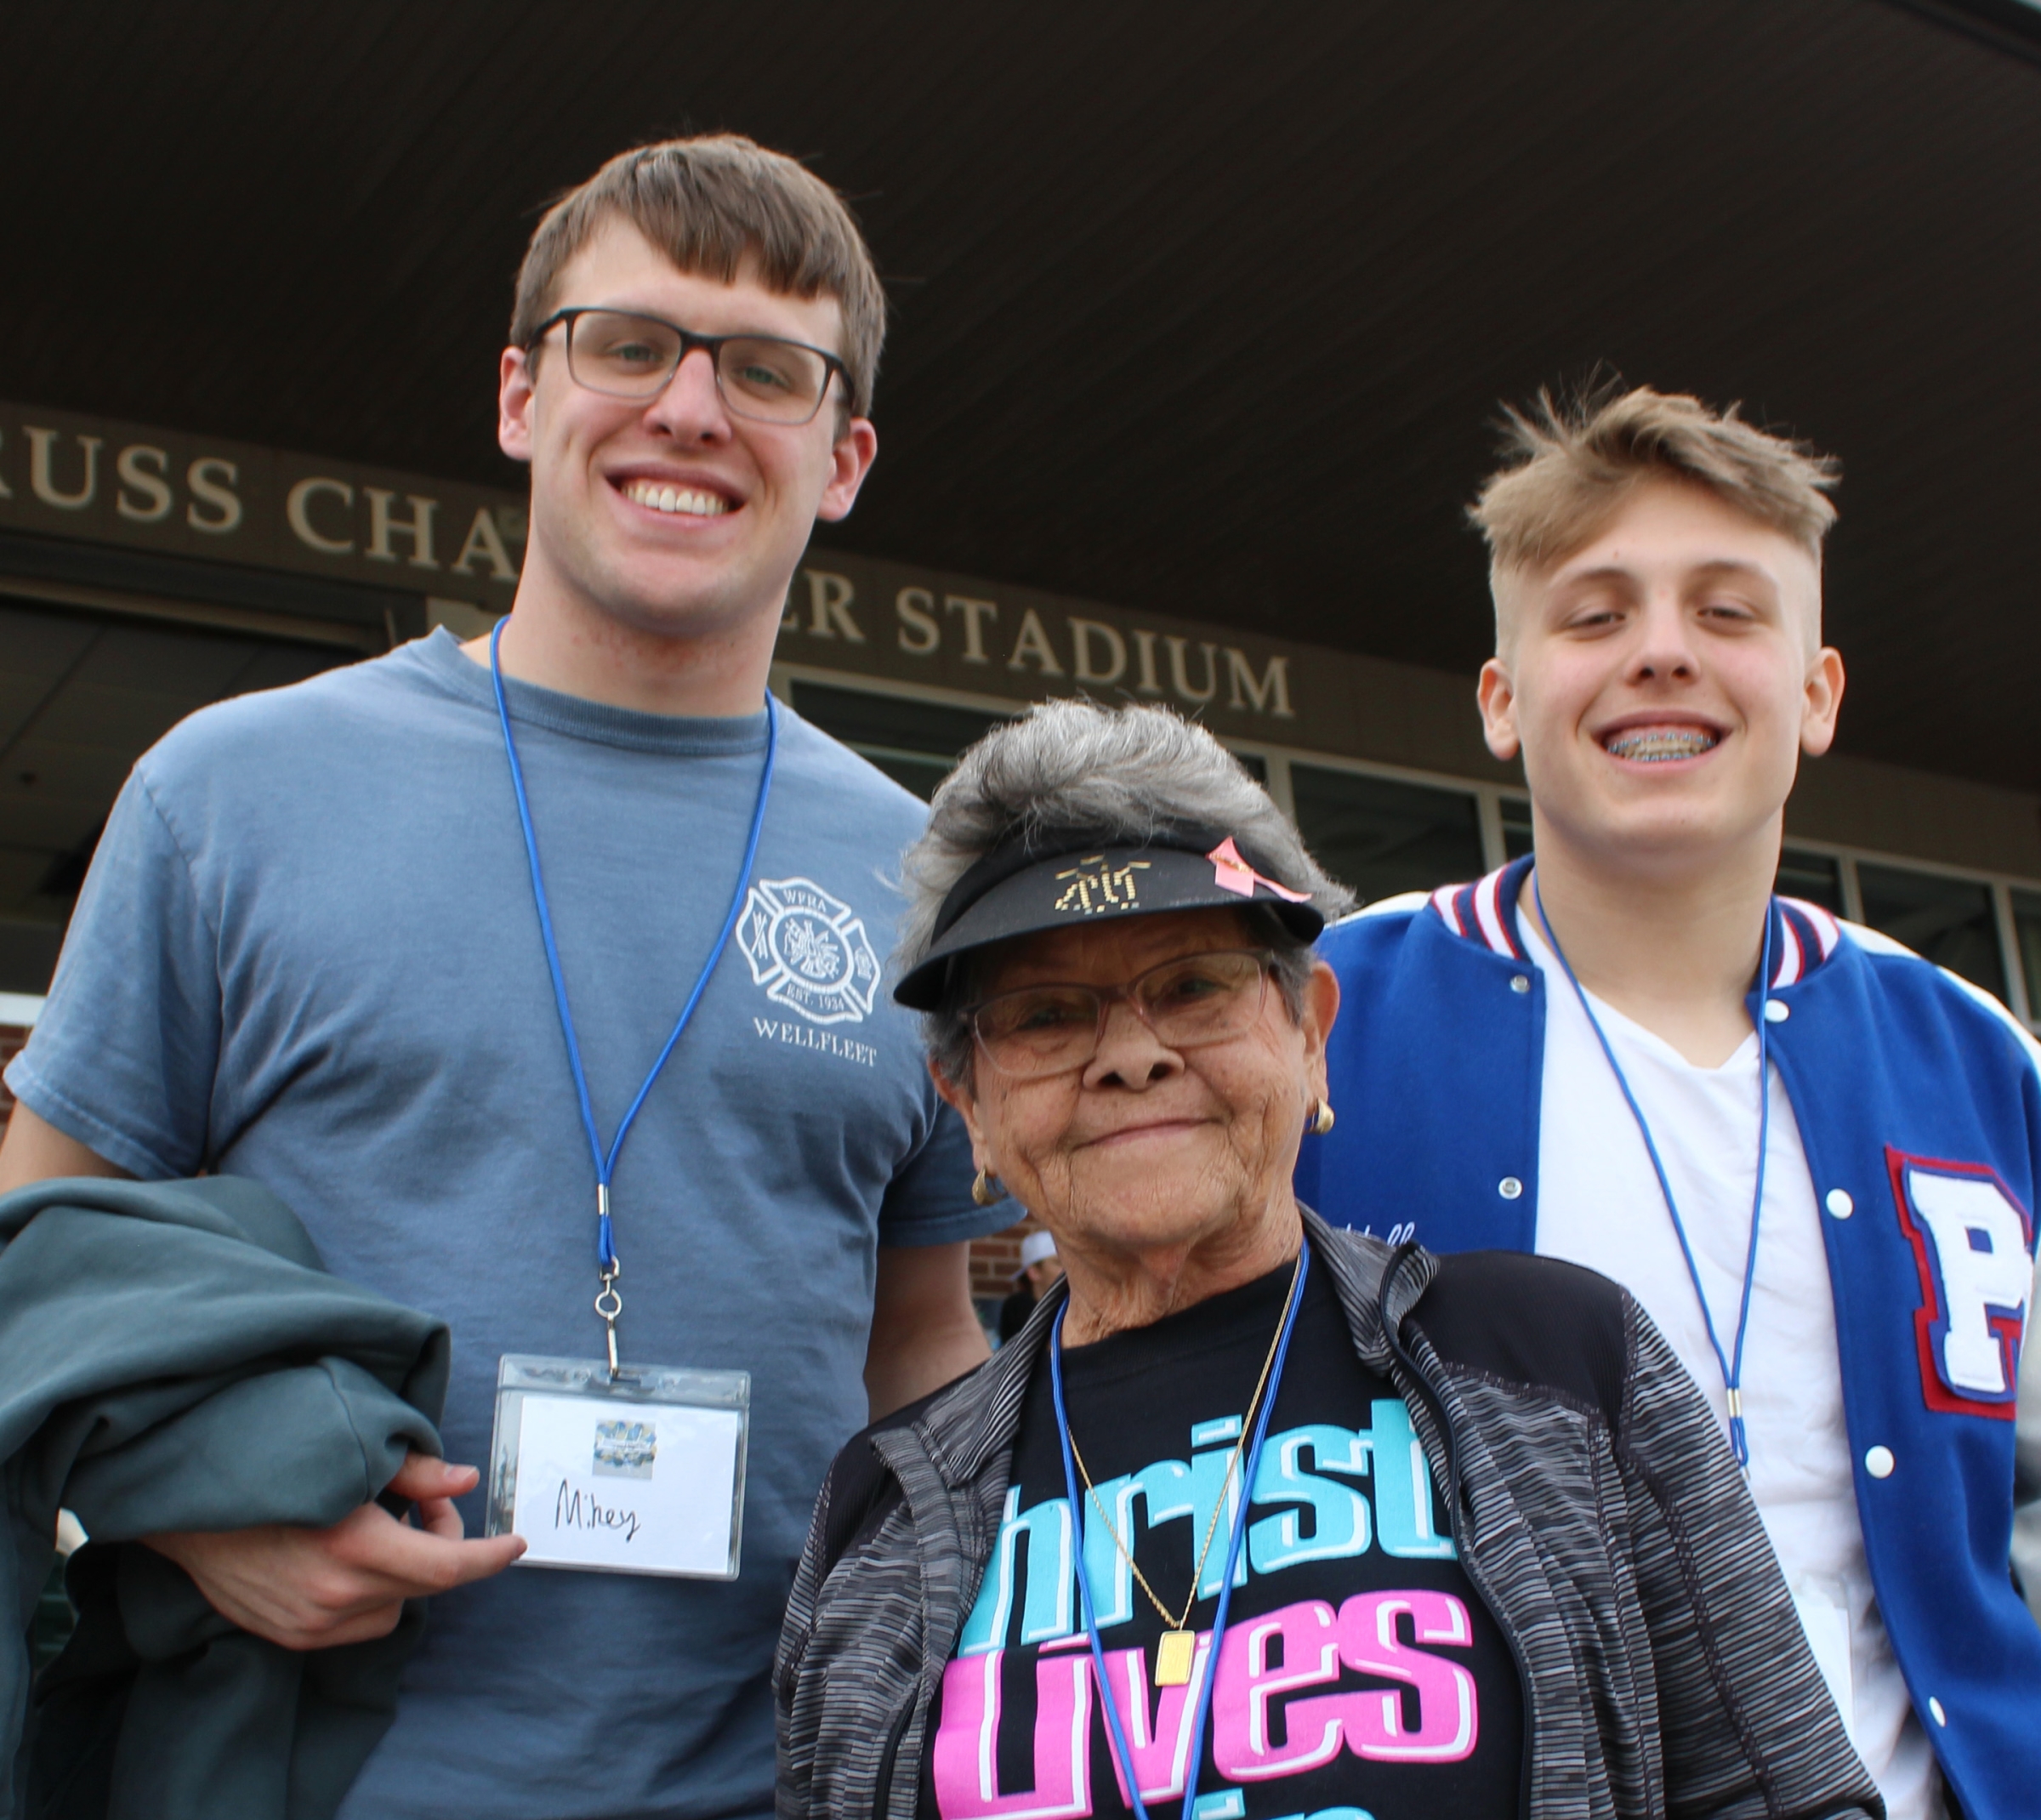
(1089,893)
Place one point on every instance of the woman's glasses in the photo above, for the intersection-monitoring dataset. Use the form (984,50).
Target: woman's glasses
(1197,1000)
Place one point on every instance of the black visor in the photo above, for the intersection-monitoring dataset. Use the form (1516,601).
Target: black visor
(1064,877)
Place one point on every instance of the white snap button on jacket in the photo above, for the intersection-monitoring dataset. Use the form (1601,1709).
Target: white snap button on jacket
(1879,1462)
(1940,1717)
(1840,1204)
(1509,1187)
(1519,983)
(1777,1010)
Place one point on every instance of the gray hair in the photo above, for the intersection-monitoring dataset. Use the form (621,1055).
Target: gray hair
(1128,772)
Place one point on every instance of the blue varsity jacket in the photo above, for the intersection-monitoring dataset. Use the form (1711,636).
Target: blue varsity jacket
(1919,1108)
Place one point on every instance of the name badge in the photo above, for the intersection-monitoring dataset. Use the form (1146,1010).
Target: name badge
(642,1473)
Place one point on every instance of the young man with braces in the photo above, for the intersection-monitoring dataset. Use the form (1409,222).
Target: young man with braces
(1566,1057)
(315,949)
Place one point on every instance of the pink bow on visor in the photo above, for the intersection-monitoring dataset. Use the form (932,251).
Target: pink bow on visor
(1231,873)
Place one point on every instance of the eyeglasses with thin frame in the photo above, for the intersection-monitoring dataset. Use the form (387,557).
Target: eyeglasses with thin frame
(624,355)
(1034,1031)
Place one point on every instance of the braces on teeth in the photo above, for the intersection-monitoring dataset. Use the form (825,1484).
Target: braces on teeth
(1658,744)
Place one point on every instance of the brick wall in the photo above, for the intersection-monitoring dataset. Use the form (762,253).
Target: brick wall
(995,1260)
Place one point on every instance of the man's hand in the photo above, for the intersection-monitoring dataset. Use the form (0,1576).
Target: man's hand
(316,1589)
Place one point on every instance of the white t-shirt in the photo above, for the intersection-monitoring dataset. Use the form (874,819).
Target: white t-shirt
(1599,1204)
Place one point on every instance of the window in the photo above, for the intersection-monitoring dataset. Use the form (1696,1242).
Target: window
(1947,920)
(1379,837)
(1517,827)
(1816,876)
(1382,836)
(915,743)
(2026,932)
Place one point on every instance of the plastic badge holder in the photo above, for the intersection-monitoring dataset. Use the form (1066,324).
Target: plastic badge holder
(639,1473)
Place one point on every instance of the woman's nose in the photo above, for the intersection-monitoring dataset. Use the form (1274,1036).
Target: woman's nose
(1130,1055)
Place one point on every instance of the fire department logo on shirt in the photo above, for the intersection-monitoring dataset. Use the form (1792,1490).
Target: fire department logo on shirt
(809,951)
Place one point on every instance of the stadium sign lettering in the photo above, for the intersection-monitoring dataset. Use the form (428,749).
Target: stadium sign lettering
(842,612)
(99,482)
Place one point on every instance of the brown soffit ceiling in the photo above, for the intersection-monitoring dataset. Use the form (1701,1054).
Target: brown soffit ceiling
(1199,308)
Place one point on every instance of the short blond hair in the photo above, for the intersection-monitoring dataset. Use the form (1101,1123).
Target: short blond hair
(712,205)
(1571,466)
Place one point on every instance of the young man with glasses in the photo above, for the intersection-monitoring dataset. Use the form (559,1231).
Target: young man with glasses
(403,943)
(1811,1156)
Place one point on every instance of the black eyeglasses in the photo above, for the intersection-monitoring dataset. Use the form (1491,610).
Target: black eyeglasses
(1197,1000)
(622,355)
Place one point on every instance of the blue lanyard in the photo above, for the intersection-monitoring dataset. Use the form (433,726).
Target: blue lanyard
(607,1264)
(1732,1363)
(1080,1521)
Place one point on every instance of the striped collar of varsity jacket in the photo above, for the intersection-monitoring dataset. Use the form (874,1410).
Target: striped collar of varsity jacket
(1595,1510)
(1804,936)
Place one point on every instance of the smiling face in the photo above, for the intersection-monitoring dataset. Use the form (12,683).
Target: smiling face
(1148,1149)
(673,516)
(1662,682)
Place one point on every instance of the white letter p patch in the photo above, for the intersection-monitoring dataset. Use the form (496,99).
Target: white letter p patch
(1973,1245)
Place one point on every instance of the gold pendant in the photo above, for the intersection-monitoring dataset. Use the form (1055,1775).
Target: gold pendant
(1173,1658)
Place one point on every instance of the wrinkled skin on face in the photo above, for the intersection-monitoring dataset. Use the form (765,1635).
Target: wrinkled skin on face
(1164,1175)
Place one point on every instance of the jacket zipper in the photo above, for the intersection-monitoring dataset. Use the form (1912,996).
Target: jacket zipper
(881,1794)
(1453,1516)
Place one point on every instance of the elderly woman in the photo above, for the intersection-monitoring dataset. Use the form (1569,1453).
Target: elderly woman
(1256,1517)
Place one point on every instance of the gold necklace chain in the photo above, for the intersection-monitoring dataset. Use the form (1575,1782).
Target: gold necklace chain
(1247,1427)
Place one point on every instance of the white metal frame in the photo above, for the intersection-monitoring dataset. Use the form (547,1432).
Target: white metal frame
(2000,885)
(1489,799)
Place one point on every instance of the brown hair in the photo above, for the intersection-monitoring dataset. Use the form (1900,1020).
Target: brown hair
(1571,466)
(714,205)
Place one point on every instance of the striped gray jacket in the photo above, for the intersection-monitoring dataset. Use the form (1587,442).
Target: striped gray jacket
(1596,1509)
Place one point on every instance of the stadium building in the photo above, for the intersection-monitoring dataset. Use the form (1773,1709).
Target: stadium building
(1201,316)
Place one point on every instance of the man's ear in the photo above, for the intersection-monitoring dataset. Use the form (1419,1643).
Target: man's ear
(513,404)
(1496,692)
(851,458)
(1823,702)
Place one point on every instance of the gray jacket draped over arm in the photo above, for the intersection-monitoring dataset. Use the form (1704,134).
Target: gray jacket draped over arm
(174,1357)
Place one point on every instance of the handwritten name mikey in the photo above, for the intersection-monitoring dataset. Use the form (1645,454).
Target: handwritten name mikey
(574,1508)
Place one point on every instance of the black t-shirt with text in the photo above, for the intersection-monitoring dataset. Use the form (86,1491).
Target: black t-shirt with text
(1360,1675)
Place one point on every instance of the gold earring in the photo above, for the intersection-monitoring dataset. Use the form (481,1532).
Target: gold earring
(1321,1120)
(985,1189)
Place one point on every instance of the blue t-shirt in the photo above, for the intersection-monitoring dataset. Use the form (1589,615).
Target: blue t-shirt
(308,953)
